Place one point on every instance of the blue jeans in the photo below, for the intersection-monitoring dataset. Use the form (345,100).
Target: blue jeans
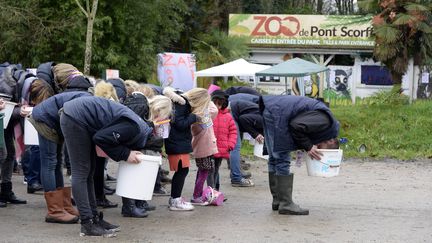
(31,161)
(236,175)
(279,162)
(51,170)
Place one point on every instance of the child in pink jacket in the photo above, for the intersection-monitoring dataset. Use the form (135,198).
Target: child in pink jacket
(226,135)
(204,146)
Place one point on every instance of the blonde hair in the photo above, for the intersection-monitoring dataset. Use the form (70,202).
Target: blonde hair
(106,90)
(199,100)
(146,90)
(131,86)
(160,107)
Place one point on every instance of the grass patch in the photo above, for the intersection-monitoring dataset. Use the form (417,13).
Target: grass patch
(389,131)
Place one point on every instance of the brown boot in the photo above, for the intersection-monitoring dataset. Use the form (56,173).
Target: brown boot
(56,213)
(67,203)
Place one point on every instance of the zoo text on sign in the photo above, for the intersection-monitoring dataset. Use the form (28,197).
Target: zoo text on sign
(304,30)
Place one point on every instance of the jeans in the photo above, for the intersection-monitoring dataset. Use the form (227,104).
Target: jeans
(279,162)
(31,163)
(51,169)
(236,174)
(82,154)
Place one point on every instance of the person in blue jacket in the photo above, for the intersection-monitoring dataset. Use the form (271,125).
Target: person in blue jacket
(291,123)
(118,131)
(46,119)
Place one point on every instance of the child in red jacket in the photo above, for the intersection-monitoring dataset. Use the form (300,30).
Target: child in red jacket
(226,135)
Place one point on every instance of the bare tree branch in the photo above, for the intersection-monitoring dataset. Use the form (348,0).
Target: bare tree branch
(88,6)
(82,9)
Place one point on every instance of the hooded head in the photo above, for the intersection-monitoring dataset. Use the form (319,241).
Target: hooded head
(220,98)
(138,103)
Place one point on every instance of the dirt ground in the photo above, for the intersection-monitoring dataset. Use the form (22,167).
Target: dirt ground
(378,201)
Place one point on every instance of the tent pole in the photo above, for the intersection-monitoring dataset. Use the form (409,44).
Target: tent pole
(321,75)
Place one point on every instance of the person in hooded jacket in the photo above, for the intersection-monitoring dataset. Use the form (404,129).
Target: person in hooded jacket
(32,91)
(63,77)
(291,123)
(137,102)
(45,118)
(226,135)
(8,83)
(118,131)
(188,108)
(114,89)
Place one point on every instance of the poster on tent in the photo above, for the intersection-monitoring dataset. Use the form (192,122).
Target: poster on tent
(339,83)
(176,70)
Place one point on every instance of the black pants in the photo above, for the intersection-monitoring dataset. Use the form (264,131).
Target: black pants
(7,163)
(99,178)
(213,176)
(178,180)
(82,154)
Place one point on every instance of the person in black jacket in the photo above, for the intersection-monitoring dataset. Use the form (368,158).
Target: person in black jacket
(188,107)
(113,127)
(138,103)
(248,119)
(290,123)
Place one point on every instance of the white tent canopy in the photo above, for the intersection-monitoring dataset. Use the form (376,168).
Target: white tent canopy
(239,67)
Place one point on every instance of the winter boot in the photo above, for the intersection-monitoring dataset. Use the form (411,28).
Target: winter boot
(98,219)
(7,195)
(67,202)
(273,190)
(90,228)
(129,209)
(143,204)
(56,212)
(285,190)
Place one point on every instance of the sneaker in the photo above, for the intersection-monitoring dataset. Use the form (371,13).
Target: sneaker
(93,229)
(25,181)
(160,192)
(179,204)
(246,174)
(98,219)
(199,201)
(243,183)
(110,178)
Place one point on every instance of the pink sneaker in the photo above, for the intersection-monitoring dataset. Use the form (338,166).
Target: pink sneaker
(199,201)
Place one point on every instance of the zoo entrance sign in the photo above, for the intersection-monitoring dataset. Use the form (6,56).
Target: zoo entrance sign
(310,31)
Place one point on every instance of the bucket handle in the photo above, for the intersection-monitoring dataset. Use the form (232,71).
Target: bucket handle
(331,166)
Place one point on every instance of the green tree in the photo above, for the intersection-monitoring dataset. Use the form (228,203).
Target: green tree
(402,30)
(37,31)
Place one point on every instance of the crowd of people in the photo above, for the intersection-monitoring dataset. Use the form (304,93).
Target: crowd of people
(83,123)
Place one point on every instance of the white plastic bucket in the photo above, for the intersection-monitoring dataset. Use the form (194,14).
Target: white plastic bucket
(258,151)
(30,134)
(9,106)
(328,166)
(137,181)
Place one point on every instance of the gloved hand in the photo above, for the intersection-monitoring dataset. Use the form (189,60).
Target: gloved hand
(154,143)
